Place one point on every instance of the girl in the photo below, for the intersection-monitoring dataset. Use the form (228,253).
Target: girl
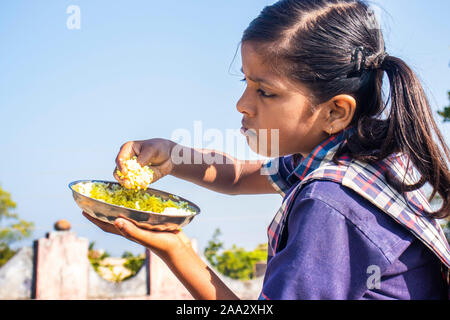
(354,223)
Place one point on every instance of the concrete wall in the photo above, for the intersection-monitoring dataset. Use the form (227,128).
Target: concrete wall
(57,267)
(16,276)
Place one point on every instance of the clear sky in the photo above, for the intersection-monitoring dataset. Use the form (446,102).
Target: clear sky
(142,69)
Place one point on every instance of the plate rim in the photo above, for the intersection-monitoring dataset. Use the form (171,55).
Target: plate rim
(139,211)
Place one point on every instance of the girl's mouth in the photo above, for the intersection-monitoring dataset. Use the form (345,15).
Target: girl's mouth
(248,132)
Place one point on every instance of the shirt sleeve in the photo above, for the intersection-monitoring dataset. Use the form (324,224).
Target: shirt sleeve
(325,257)
(278,171)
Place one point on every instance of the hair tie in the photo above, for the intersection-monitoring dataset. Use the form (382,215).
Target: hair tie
(378,60)
(359,58)
(364,62)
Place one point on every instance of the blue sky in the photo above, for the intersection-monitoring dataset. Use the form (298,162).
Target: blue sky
(142,69)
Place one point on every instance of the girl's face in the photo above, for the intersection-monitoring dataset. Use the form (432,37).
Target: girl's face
(271,102)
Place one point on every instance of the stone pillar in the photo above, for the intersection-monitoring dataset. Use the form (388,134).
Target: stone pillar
(162,283)
(61,267)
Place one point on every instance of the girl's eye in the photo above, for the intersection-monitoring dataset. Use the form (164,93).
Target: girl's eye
(263,94)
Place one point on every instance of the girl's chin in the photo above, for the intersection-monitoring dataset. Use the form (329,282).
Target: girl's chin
(260,148)
(262,143)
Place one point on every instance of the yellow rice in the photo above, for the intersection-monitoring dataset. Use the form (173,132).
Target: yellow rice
(133,199)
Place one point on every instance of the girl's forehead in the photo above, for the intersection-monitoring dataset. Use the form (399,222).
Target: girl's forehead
(258,68)
(253,60)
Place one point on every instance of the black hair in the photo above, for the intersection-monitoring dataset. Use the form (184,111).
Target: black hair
(335,47)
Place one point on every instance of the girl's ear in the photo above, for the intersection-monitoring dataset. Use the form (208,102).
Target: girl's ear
(339,113)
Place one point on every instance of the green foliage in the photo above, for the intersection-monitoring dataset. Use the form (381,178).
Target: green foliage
(213,247)
(95,256)
(127,254)
(446,112)
(17,229)
(5,254)
(236,263)
(132,263)
(12,228)
(6,205)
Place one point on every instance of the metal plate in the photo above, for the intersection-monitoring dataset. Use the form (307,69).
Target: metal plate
(110,212)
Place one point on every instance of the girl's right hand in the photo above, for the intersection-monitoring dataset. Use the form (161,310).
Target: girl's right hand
(163,243)
(156,153)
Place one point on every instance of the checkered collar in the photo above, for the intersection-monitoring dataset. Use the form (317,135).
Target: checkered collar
(321,154)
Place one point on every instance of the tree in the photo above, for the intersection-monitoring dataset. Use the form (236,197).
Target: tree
(132,263)
(236,263)
(12,228)
(214,245)
(446,112)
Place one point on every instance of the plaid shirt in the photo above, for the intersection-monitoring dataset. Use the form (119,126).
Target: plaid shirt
(368,180)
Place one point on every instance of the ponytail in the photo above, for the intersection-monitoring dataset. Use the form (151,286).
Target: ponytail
(408,129)
(411,128)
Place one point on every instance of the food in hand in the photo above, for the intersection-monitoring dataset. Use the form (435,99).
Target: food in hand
(138,177)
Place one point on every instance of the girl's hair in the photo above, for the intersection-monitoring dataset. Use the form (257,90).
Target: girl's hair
(335,47)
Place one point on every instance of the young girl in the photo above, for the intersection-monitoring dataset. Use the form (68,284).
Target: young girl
(354,223)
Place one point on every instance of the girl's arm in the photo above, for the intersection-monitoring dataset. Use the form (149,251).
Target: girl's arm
(220,172)
(213,170)
(175,249)
(196,276)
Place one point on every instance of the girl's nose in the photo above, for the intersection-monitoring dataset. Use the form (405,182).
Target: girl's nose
(246,106)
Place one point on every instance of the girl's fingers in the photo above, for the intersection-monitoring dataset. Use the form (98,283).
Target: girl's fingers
(127,151)
(145,157)
(152,237)
(106,227)
(123,182)
(132,232)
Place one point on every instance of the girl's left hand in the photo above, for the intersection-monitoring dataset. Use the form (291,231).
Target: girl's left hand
(175,249)
(163,243)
